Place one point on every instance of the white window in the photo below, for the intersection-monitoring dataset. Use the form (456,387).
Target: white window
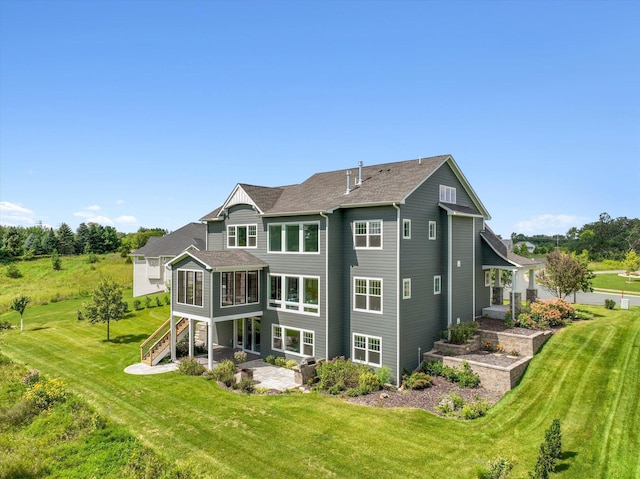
(406,229)
(367,234)
(432,230)
(367,294)
(294,238)
(406,288)
(292,340)
(447,194)
(367,349)
(242,236)
(298,294)
(239,287)
(437,285)
(190,287)
(487,278)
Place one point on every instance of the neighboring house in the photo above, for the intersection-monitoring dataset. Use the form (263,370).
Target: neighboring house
(150,274)
(371,263)
(530,246)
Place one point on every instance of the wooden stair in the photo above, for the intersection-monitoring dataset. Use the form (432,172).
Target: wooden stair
(158,345)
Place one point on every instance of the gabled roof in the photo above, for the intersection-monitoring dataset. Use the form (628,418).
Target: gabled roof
(190,235)
(223,260)
(382,184)
(501,257)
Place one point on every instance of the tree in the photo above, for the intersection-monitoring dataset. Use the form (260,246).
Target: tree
(631,263)
(66,239)
(106,303)
(19,304)
(565,274)
(56,264)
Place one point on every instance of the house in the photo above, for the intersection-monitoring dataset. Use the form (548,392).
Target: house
(530,246)
(372,263)
(150,274)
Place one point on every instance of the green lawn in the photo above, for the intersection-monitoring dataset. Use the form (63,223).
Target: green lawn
(616,283)
(587,375)
(77,278)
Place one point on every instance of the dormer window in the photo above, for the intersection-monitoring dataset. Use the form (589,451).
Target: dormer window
(242,236)
(447,194)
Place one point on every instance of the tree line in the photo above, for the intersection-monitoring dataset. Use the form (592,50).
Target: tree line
(606,238)
(27,242)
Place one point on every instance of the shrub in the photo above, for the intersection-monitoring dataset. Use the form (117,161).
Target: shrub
(147,301)
(280,362)
(499,468)
(46,393)
(191,367)
(417,380)
(158,301)
(246,385)
(474,410)
(271,359)
(137,304)
(339,374)
(239,357)
(167,299)
(92,258)
(384,374)
(368,382)
(550,451)
(464,376)
(609,303)
(225,372)
(460,333)
(5,325)
(19,414)
(13,272)
(545,314)
(290,363)
(31,378)
(454,405)
(125,307)
(553,437)
(56,264)
(433,368)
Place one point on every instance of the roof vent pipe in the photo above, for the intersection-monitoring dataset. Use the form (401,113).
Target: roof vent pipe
(359,173)
(419,161)
(348,182)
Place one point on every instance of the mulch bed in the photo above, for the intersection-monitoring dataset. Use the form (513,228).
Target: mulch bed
(426,399)
(490,324)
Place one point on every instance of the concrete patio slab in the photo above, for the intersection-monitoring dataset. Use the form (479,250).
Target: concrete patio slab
(142,369)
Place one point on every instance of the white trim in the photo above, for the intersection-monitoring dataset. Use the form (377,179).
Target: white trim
(368,295)
(287,306)
(435,230)
(232,317)
(450,192)
(186,270)
(246,293)
(239,197)
(406,281)
(439,282)
(366,349)
(487,274)
(398,244)
(283,237)
(368,234)
(247,226)
(406,222)
(302,343)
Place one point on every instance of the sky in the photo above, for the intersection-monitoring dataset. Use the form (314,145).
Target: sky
(147,113)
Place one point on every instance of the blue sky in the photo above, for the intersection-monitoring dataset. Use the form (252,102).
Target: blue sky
(147,113)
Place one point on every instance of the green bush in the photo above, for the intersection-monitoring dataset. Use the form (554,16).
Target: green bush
(417,380)
(384,374)
(13,272)
(339,374)
(609,303)
(271,359)
(246,385)
(147,301)
(31,378)
(280,362)
(167,300)
(137,305)
(368,382)
(158,301)
(550,451)
(20,414)
(499,468)
(225,372)
(460,333)
(5,325)
(464,376)
(46,393)
(239,357)
(191,367)
(454,405)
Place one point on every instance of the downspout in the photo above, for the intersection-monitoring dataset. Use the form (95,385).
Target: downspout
(326,285)
(450,272)
(473,244)
(210,329)
(398,285)
(514,274)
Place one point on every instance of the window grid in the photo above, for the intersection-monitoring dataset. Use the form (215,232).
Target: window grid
(406,229)
(367,295)
(437,285)
(367,349)
(447,194)
(367,234)
(299,342)
(406,288)
(242,236)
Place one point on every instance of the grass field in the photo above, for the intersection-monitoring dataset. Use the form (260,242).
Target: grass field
(76,279)
(616,283)
(587,375)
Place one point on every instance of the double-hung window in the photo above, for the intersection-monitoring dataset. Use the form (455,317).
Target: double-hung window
(190,287)
(367,234)
(367,349)
(242,236)
(437,284)
(239,287)
(294,293)
(406,229)
(292,340)
(447,194)
(406,288)
(294,238)
(432,230)
(367,294)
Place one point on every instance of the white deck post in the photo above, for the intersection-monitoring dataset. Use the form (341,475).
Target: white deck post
(532,279)
(210,344)
(173,337)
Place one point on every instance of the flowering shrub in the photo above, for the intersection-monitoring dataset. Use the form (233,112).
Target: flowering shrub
(31,378)
(45,393)
(545,314)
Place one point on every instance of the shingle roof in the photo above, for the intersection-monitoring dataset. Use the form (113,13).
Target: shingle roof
(228,259)
(192,234)
(501,249)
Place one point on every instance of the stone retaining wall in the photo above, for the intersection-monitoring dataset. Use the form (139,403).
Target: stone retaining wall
(525,345)
(496,378)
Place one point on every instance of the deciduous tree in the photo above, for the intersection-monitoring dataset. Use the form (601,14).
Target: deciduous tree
(106,304)
(19,304)
(631,263)
(565,274)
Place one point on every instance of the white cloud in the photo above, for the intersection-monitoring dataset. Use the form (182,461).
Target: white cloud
(93,208)
(12,214)
(549,224)
(120,202)
(126,219)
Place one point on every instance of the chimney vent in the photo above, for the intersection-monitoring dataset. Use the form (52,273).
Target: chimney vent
(359,173)
(348,182)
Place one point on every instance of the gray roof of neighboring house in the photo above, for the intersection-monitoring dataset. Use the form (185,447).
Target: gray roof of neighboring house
(501,249)
(228,259)
(381,184)
(192,234)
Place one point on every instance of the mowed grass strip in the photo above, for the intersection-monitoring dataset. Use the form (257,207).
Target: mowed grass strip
(586,375)
(616,282)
